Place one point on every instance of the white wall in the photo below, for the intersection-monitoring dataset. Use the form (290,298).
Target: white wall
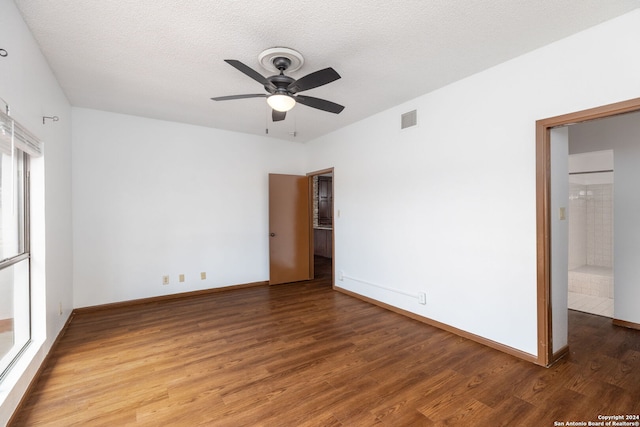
(559,237)
(155,198)
(622,135)
(448,207)
(29,86)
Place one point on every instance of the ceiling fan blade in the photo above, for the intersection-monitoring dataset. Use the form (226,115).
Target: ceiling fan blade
(277,116)
(251,95)
(315,79)
(320,104)
(249,72)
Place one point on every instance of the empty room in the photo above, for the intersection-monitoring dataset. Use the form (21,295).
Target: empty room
(300,214)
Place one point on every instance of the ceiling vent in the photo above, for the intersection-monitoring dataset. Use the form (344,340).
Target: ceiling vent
(409,119)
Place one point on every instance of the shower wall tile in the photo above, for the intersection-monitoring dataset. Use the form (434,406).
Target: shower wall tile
(577,226)
(599,224)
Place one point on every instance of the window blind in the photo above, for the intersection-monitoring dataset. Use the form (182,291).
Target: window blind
(10,130)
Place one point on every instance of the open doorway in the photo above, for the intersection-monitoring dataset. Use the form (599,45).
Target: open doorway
(549,314)
(322,220)
(591,228)
(301,227)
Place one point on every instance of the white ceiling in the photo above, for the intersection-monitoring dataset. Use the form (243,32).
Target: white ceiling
(164,58)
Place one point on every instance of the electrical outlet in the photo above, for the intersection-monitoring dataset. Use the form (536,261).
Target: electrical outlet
(422,298)
(181,278)
(203,275)
(341,275)
(60,309)
(165,280)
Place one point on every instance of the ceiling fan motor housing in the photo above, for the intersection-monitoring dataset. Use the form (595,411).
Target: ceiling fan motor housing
(281,83)
(281,63)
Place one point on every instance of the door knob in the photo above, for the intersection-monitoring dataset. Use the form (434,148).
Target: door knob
(272,234)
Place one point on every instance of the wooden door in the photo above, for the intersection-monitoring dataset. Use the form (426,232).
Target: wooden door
(289,241)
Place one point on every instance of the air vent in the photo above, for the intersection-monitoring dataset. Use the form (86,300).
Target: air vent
(409,119)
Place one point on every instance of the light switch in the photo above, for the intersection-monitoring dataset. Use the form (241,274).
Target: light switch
(563,213)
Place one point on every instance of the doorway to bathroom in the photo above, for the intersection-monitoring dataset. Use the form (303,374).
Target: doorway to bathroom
(551,206)
(591,230)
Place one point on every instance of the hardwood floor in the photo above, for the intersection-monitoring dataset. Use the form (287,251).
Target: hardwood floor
(305,355)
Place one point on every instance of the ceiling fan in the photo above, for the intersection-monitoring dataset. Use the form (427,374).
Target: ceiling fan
(283,91)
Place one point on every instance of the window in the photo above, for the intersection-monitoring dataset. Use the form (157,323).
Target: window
(15,313)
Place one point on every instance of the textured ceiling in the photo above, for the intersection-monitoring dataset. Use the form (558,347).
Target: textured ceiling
(164,58)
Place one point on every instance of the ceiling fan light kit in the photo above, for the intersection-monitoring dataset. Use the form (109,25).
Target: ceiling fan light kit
(282,103)
(282,91)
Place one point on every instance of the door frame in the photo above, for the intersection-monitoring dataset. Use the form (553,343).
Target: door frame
(333,226)
(546,355)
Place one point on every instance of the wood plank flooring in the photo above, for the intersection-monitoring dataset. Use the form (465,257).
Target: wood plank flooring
(305,355)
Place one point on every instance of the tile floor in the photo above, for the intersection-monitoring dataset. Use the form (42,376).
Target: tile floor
(601,306)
